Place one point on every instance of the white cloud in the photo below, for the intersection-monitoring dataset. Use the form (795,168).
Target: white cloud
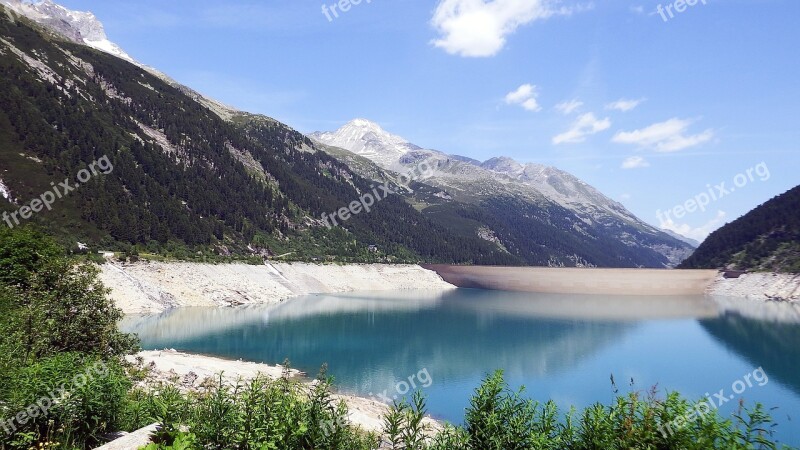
(624,105)
(521,94)
(625,196)
(635,162)
(479,28)
(586,124)
(524,96)
(569,106)
(700,233)
(669,136)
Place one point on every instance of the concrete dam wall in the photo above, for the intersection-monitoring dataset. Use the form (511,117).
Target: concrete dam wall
(578,281)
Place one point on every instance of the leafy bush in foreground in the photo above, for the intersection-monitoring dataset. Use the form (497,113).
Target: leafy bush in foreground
(76,399)
(284,414)
(61,381)
(260,414)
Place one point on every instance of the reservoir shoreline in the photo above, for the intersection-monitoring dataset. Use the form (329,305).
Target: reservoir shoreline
(153,287)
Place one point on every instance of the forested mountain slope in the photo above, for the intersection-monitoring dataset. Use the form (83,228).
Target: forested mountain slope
(192,178)
(184,180)
(541,214)
(766,238)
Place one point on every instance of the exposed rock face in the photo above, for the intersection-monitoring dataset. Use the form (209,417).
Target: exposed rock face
(150,287)
(77,26)
(762,287)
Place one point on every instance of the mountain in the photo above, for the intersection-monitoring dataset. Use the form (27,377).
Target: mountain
(194,178)
(766,238)
(187,176)
(694,243)
(78,27)
(539,213)
(367,139)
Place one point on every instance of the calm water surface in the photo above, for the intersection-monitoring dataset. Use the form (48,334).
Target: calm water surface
(559,347)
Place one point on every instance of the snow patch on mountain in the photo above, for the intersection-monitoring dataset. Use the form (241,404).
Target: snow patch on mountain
(368,139)
(473,181)
(84,28)
(104,45)
(460,174)
(78,26)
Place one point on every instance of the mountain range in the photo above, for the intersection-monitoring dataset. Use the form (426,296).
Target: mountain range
(522,207)
(195,177)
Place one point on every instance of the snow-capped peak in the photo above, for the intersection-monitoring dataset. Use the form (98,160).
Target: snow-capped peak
(78,26)
(368,139)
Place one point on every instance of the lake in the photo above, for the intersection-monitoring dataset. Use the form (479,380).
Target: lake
(560,347)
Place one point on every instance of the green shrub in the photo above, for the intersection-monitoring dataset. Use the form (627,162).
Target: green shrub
(499,418)
(23,251)
(67,398)
(284,414)
(262,413)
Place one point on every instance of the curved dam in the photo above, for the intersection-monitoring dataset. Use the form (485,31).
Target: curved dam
(667,282)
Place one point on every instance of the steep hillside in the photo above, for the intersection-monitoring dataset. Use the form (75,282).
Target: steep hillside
(190,177)
(181,179)
(766,238)
(541,214)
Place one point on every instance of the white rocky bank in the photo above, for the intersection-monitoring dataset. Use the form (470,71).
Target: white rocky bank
(761,287)
(152,287)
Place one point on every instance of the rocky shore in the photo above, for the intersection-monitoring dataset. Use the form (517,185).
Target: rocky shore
(761,287)
(153,287)
(190,372)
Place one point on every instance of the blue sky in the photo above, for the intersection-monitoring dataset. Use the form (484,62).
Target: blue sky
(651,112)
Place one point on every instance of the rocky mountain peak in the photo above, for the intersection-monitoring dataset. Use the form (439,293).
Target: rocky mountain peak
(81,27)
(368,139)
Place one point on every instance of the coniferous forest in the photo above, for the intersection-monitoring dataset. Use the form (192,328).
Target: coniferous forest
(767,238)
(191,192)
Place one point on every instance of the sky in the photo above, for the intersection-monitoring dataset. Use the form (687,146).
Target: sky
(686,114)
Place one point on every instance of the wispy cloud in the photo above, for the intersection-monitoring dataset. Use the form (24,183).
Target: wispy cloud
(479,28)
(699,233)
(635,162)
(624,105)
(669,136)
(569,106)
(524,96)
(586,125)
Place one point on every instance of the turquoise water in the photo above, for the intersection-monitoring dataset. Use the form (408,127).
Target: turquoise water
(559,347)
